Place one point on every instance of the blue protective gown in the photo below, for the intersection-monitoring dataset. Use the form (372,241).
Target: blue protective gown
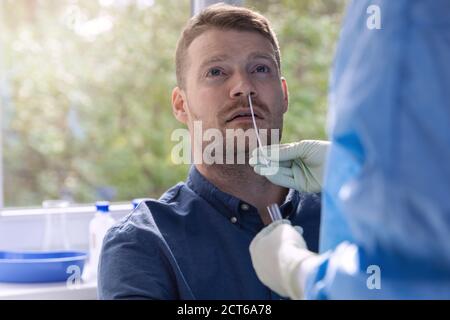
(386,197)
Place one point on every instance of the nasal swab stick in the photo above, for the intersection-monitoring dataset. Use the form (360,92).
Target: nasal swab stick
(256,130)
(273,209)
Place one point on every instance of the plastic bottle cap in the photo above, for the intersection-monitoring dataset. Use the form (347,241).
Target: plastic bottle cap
(102,206)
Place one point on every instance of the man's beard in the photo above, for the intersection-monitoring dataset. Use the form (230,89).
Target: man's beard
(237,144)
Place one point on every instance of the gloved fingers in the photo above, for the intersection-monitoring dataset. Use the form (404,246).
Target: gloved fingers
(270,278)
(274,152)
(275,252)
(308,150)
(312,152)
(285,164)
(279,153)
(294,279)
(274,170)
(283,181)
(300,164)
(282,178)
(276,231)
(261,155)
(299,229)
(266,230)
(254,158)
(298,176)
(304,178)
(258,159)
(287,151)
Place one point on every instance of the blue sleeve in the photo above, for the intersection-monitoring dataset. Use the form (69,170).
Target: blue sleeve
(349,273)
(388,176)
(133,265)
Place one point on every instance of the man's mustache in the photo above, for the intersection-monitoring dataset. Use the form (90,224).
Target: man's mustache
(242,103)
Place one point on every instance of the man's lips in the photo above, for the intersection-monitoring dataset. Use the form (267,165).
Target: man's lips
(243,114)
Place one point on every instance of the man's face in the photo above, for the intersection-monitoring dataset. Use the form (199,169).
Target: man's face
(223,67)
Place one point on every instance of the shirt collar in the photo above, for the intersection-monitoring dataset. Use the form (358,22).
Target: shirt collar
(227,204)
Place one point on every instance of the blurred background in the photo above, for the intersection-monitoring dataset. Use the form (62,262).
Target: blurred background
(85,92)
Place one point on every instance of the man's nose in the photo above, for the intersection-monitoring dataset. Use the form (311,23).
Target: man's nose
(242,87)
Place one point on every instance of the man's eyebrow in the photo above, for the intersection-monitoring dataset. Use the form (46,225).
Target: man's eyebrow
(213,59)
(262,55)
(224,57)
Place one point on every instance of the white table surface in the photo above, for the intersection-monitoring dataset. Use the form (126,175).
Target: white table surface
(48,291)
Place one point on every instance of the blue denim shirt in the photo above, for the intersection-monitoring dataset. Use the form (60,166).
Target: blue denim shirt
(193,243)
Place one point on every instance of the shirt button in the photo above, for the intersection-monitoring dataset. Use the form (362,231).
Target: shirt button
(245,206)
(233,219)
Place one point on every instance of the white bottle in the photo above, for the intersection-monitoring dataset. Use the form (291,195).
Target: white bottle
(98,227)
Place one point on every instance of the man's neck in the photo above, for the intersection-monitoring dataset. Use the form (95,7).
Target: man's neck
(242,182)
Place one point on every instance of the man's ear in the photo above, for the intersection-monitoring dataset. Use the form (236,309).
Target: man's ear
(285,94)
(178,105)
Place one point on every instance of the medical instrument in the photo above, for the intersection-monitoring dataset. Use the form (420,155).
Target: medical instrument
(301,165)
(274,209)
(256,131)
(278,253)
(274,212)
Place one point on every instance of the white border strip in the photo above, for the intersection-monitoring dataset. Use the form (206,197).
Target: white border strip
(68,210)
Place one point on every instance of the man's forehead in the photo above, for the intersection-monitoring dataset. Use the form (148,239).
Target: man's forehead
(220,45)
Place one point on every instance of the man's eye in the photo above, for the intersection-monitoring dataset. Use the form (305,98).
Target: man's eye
(262,68)
(214,72)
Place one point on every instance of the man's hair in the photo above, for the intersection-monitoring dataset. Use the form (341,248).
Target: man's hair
(222,17)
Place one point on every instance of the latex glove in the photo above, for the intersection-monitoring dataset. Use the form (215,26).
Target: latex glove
(300,164)
(277,253)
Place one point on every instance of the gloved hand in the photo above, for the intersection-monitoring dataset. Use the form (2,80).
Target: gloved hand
(300,164)
(277,253)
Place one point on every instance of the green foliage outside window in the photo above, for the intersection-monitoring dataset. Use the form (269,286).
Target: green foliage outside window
(86,91)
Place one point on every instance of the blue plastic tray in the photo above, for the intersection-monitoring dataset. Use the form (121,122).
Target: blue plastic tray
(34,267)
